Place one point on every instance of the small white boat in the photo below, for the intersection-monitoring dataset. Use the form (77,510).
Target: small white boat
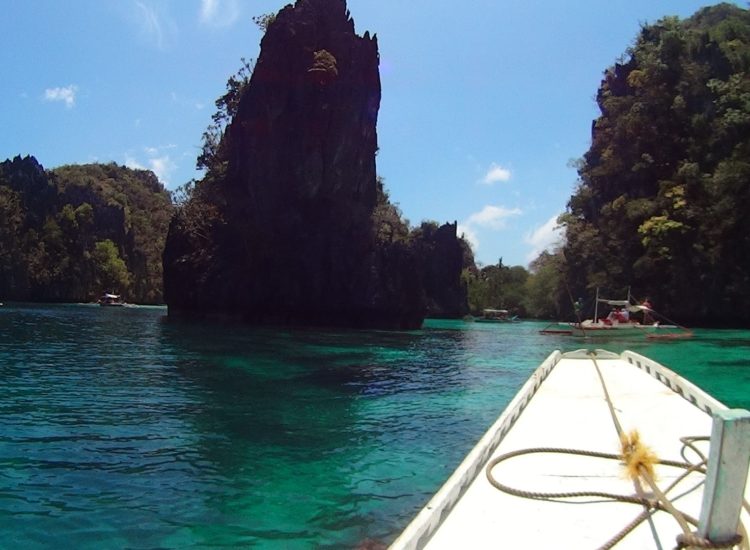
(562,467)
(111,300)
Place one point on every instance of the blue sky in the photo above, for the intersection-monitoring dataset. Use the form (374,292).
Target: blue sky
(484,104)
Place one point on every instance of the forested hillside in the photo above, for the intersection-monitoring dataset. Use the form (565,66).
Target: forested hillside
(663,199)
(71,233)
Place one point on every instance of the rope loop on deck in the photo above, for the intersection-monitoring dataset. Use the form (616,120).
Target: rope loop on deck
(684,540)
(639,463)
(651,503)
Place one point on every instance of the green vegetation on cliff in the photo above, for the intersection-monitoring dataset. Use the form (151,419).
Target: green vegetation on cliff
(70,233)
(664,192)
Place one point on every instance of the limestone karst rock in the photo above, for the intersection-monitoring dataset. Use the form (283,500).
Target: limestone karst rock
(281,230)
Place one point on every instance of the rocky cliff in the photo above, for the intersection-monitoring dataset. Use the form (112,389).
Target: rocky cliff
(281,230)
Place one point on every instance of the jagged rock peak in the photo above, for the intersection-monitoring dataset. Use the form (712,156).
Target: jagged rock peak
(306,125)
(332,11)
(292,235)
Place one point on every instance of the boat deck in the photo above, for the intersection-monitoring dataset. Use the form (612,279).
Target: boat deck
(569,410)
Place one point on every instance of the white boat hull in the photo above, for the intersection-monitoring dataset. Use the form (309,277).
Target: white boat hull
(562,406)
(599,330)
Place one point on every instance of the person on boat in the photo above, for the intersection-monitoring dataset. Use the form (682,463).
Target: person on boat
(647,318)
(578,308)
(611,318)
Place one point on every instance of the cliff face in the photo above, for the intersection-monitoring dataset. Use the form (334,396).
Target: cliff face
(282,231)
(442,258)
(305,129)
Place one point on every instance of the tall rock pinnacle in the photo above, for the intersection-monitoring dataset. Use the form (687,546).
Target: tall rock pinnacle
(284,228)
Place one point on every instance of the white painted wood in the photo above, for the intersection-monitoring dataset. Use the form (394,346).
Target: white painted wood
(569,410)
(726,477)
(440,505)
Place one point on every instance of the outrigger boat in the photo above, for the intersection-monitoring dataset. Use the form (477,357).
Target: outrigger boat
(621,321)
(598,450)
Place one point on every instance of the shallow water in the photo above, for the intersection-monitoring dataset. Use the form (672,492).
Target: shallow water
(120,429)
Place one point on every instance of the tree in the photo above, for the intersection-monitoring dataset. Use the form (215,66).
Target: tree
(543,298)
(497,286)
(264,20)
(111,271)
(226,108)
(387,221)
(11,252)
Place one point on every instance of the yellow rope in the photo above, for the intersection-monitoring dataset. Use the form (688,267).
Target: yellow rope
(636,456)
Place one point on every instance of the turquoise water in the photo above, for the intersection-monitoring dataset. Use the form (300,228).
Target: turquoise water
(120,429)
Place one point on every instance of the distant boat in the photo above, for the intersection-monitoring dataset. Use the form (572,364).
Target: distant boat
(111,300)
(619,322)
(490,315)
(597,449)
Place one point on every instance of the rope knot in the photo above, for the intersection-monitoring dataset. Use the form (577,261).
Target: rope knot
(692,540)
(638,459)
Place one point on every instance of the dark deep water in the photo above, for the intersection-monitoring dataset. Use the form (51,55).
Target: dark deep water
(119,429)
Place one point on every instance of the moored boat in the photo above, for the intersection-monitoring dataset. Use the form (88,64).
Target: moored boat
(597,449)
(111,300)
(625,318)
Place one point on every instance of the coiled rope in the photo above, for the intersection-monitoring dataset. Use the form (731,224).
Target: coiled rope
(639,462)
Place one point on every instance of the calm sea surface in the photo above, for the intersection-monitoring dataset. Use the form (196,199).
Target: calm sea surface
(120,429)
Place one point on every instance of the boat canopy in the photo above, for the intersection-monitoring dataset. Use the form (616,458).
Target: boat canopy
(112,296)
(495,311)
(624,303)
(620,303)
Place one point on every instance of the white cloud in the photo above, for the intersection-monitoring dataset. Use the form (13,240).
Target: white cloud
(159,163)
(469,235)
(544,237)
(131,162)
(494,174)
(66,94)
(163,167)
(156,27)
(490,217)
(493,217)
(219,13)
